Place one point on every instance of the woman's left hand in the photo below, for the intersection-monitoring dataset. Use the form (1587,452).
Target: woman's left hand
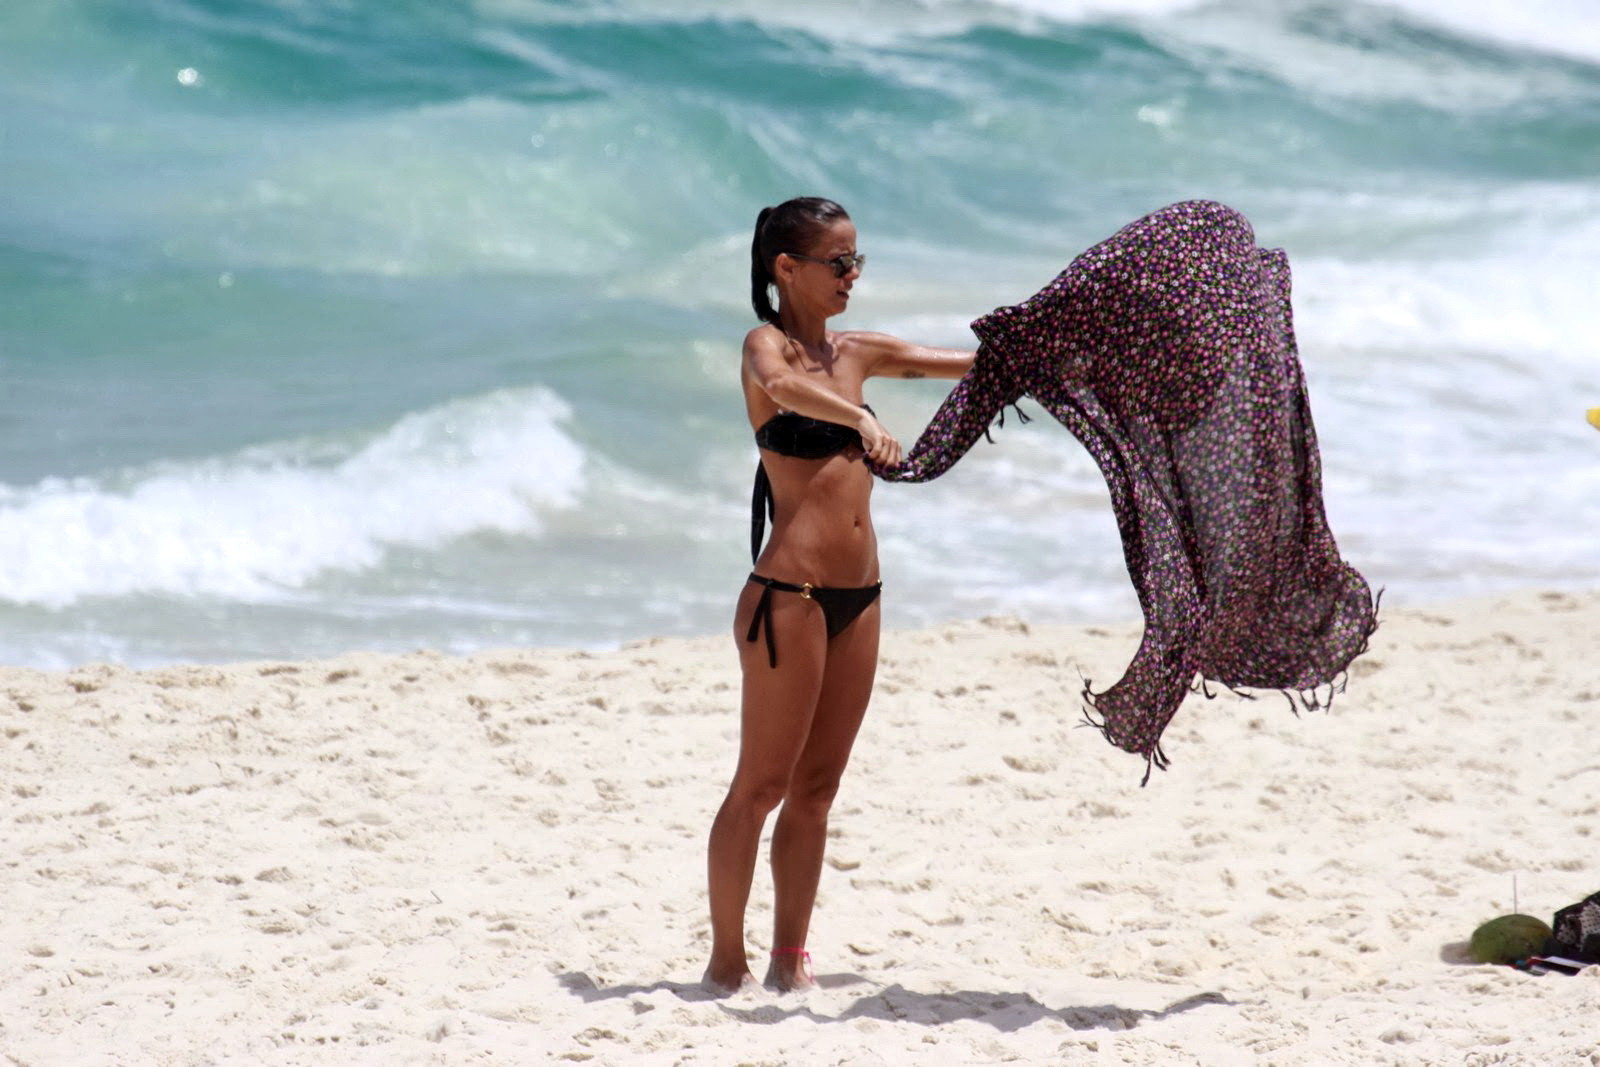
(878,443)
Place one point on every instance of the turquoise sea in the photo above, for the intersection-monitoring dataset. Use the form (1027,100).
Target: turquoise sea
(348,324)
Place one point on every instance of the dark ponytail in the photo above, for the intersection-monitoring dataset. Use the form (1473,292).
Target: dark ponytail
(790,227)
(761,273)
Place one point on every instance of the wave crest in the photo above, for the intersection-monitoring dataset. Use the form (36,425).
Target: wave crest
(258,525)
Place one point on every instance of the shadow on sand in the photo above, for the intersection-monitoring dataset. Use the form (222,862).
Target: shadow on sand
(1006,1012)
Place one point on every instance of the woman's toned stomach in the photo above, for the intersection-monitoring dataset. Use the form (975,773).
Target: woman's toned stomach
(822,530)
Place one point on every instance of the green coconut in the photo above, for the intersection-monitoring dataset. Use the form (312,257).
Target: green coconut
(1510,937)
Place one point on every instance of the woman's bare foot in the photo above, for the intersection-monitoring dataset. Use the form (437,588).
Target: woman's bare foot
(790,972)
(728,985)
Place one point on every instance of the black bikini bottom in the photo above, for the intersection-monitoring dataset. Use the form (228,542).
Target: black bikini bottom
(839,607)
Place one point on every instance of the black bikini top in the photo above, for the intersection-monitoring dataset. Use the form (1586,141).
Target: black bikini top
(801,437)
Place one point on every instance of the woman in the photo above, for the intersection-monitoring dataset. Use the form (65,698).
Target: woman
(807,621)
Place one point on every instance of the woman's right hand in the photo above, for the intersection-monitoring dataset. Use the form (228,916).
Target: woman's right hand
(880,446)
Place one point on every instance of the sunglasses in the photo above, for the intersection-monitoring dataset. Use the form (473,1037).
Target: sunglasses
(841,265)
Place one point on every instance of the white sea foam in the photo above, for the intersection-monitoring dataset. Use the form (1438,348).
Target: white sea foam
(1522,288)
(1084,10)
(1487,305)
(847,21)
(256,525)
(1564,27)
(1322,59)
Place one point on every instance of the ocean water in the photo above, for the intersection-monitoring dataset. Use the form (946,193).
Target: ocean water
(394,325)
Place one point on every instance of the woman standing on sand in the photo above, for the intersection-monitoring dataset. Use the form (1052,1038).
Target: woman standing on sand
(807,621)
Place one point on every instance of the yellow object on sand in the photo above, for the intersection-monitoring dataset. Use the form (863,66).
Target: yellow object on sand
(1594,418)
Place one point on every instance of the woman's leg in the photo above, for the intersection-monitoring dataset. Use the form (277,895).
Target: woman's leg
(801,831)
(775,718)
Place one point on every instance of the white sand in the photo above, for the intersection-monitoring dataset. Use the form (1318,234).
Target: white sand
(424,859)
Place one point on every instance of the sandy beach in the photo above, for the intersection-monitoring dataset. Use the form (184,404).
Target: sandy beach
(499,858)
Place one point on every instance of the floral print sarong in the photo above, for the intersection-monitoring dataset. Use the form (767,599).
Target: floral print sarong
(1168,350)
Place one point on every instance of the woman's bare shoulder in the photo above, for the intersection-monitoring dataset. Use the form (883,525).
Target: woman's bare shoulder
(764,338)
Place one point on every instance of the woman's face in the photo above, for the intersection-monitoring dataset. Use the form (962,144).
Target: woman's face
(818,284)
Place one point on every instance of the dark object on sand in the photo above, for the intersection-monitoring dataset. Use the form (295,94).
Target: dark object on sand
(1577,931)
(1508,939)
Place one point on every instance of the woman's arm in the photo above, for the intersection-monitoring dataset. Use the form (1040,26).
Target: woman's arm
(890,357)
(766,366)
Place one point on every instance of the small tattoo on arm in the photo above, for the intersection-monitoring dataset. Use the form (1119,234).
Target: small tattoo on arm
(913,374)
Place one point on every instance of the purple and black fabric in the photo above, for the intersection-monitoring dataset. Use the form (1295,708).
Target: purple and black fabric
(1168,350)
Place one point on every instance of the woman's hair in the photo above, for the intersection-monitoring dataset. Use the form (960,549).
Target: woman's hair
(789,227)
